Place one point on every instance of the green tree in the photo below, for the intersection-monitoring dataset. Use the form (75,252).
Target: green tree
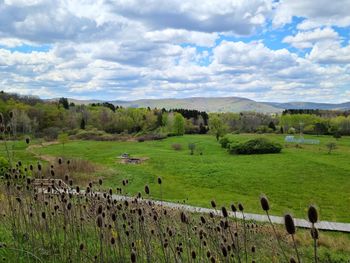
(337,135)
(82,124)
(216,126)
(179,124)
(63,139)
(64,102)
(272,125)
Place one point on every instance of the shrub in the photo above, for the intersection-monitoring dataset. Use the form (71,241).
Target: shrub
(263,129)
(291,130)
(255,146)
(191,147)
(51,133)
(337,135)
(331,146)
(176,146)
(224,141)
(151,137)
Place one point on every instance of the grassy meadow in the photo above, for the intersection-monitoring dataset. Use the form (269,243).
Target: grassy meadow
(293,179)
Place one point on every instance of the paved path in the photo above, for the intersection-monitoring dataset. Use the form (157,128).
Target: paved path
(321,225)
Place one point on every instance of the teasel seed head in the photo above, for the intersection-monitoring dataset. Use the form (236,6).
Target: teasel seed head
(59,161)
(43,215)
(193,254)
(233,208)
(240,207)
(292,260)
(224,251)
(81,247)
(312,214)
(184,218)
(289,224)
(213,204)
(99,221)
(224,212)
(133,256)
(114,217)
(264,203)
(253,249)
(100,181)
(147,189)
(159,180)
(39,167)
(27,140)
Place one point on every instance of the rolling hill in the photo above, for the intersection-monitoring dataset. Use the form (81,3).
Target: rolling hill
(220,104)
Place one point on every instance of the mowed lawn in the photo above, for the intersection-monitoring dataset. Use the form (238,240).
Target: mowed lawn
(292,180)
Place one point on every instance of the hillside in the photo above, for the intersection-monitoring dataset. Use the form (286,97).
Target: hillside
(220,104)
(310,105)
(224,104)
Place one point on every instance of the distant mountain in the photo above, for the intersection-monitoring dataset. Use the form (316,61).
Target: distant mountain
(221,104)
(310,105)
(224,104)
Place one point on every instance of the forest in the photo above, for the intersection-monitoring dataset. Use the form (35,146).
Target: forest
(50,118)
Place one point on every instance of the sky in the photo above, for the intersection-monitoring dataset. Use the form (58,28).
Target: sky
(265,50)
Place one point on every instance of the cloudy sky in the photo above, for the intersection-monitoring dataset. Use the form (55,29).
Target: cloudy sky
(264,50)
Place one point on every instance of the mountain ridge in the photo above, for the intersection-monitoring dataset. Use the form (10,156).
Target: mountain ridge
(219,104)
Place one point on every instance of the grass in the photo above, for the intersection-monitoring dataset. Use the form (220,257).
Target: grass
(65,227)
(292,180)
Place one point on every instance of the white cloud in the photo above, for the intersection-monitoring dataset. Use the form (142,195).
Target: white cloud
(330,53)
(129,49)
(309,38)
(178,36)
(317,13)
(253,56)
(240,17)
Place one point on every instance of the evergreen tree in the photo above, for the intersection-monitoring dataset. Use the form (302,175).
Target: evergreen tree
(82,124)
(64,103)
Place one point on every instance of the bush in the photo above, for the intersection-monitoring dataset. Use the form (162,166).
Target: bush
(51,133)
(337,135)
(263,129)
(255,146)
(291,130)
(191,147)
(151,137)
(176,146)
(224,141)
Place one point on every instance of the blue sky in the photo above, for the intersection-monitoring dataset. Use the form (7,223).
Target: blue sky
(124,50)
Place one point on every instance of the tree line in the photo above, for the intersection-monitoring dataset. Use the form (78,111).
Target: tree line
(49,118)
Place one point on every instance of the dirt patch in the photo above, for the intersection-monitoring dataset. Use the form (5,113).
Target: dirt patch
(47,158)
(133,160)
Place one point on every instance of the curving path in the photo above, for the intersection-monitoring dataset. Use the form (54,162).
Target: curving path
(321,225)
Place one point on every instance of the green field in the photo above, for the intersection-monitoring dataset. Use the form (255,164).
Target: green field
(292,180)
